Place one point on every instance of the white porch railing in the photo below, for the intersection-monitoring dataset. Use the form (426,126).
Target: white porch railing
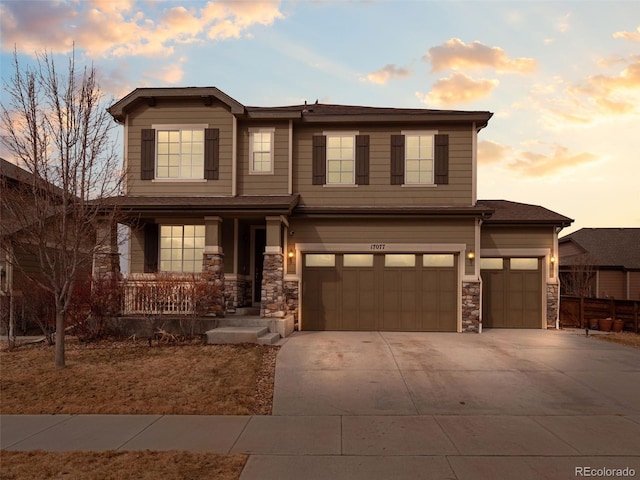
(150,294)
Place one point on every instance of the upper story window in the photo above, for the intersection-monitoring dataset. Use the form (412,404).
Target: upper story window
(180,152)
(341,158)
(261,151)
(418,158)
(181,248)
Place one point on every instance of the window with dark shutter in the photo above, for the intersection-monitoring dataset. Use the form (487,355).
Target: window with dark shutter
(148,157)
(151,234)
(319,159)
(362,159)
(441,154)
(211,153)
(397,159)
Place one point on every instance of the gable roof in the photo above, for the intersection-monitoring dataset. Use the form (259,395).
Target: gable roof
(611,247)
(507,212)
(316,112)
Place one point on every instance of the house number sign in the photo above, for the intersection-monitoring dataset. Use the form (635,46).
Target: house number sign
(377,246)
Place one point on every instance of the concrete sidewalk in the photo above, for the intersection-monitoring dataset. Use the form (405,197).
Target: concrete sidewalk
(354,447)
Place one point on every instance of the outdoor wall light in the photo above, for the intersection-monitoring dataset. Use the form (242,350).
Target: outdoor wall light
(291,255)
(553,259)
(471,255)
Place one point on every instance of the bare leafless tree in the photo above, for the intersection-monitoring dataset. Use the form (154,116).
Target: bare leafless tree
(578,277)
(55,126)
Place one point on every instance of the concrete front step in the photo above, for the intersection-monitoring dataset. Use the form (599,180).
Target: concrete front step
(259,335)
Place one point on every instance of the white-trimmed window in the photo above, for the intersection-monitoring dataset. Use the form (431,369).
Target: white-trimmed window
(419,156)
(341,158)
(261,151)
(181,248)
(180,151)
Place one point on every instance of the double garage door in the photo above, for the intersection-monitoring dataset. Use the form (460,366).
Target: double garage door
(511,292)
(384,292)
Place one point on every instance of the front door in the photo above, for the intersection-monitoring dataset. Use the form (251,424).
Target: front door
(259,243)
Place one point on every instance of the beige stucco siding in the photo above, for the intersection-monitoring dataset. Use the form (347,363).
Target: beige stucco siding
(381,231)
(380,191)
(500,237)
(268,184)
(179,113)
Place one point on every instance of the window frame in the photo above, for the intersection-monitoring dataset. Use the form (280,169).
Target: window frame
(333,134)
(178,127)
(182,248)
(420,133)
(271,131)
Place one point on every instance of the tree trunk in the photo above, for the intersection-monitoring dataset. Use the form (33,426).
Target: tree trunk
(59,360)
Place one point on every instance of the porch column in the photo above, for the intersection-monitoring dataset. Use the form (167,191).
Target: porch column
(273,302)
(106,259)
(213,260)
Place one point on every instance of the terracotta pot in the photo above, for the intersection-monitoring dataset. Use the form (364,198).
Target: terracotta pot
(605,324)
(618,325)
(593,324)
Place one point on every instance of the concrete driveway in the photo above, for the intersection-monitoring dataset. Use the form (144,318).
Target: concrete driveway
(500,372)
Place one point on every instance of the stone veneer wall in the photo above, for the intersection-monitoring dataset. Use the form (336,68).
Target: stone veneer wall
(471,295)
(291,293)
(273,301)
(553,292)
(106,263)
(213,271)
(237,294)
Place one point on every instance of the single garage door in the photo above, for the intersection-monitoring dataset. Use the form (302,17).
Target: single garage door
(511,292)
(385,292)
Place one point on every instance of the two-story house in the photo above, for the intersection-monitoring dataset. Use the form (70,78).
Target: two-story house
(354,218)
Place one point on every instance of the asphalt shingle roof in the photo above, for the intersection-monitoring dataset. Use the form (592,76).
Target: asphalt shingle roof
(619,247)
(506,211)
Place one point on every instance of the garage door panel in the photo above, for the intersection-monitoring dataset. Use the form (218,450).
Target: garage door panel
(400,297)
(512,298)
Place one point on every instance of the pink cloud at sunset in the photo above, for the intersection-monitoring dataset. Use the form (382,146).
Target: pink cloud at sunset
(454,54)
(388,72)
(457,89)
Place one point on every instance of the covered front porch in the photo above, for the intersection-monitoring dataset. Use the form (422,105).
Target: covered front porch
(235,244)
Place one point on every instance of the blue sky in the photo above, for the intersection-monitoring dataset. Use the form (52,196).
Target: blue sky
(563,78)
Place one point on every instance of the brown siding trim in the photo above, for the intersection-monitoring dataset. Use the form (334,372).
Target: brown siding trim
(319,159)
(147,167)
(397,159)
(441,160)
(362,159)
(211,153)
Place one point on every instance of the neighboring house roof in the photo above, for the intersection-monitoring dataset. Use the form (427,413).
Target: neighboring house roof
(610,247)
(507,212)
(316,112)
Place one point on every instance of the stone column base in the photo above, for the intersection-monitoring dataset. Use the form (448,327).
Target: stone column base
(291,292)
(213,272)
(273,301)
(553,292)
(471,296)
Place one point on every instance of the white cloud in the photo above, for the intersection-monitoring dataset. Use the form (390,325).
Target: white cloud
(388,72)
(454,54)
(458,88)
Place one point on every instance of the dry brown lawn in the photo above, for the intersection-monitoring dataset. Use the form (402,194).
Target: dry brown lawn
(129,378)
(623,338)
(120,465)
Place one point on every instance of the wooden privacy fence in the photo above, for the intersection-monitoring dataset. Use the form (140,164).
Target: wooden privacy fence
(577,311)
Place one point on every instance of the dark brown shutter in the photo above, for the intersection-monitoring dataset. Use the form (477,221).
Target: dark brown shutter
(319,159)
(211,153)
(362,159)
(441,167)
(151,234)
(397,159)
(147,167)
